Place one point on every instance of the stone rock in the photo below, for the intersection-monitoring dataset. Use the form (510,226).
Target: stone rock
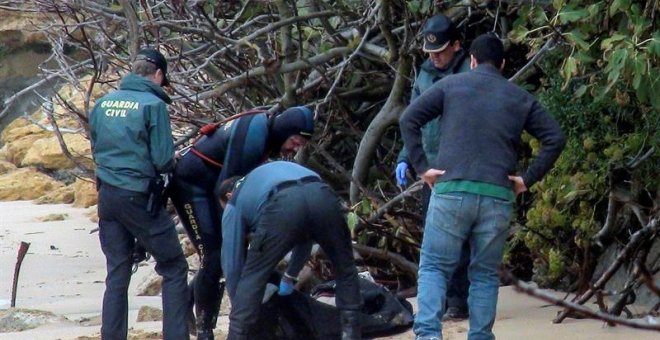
(16,150)
(63,195)
(152,285)
(75,98)
(14,124)
(225,306)
(19,319)
(6,167)
(19,21)
(193,262)
(26,184)
(93,214)
(85,193)
(90,321)
(47,152)
(53,217)
(3,154)
(19,127)
(187,246)
(133,334)
(147,313)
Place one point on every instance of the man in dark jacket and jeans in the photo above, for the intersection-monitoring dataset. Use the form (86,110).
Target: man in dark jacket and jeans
(446,57)
(482,117)
(132,145)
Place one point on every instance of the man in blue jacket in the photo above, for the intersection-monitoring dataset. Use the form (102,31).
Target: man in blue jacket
(132,145)
(233,149)
(446,57)
(282,205)
(482,117)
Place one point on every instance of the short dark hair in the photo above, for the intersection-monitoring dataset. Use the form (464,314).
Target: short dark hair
(488,48)
(227,186)
(144,68)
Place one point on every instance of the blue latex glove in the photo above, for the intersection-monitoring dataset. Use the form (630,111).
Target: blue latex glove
(286,287)
(400,172)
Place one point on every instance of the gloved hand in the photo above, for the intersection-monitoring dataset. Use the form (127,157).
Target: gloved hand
(400,172)
(286,287)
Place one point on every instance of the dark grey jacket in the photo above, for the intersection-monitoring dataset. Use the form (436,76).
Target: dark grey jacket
(482,118)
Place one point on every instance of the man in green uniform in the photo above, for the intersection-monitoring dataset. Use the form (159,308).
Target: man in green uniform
(132,146)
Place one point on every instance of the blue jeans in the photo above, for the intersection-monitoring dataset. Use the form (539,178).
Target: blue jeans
(452,219)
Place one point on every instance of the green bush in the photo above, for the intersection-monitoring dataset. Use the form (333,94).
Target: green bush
(570,203)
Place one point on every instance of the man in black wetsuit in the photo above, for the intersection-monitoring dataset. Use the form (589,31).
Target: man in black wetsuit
(233,149)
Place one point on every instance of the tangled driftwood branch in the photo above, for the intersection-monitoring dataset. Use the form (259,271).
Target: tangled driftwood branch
(570,306)
(636,240)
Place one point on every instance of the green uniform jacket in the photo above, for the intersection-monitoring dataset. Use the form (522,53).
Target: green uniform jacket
(428,75)
(131,134)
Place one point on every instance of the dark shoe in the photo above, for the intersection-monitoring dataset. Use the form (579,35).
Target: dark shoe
(205,325)
(455,313)
(205,335)
(350,325)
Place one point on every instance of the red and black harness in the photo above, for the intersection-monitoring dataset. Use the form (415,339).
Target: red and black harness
(210,129)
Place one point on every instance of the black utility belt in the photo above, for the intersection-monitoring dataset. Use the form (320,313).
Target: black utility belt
(287,184)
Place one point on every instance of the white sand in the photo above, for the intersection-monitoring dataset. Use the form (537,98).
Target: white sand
(68,281)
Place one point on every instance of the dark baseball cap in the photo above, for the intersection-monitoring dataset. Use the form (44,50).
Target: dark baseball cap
(153,56)
(438,33)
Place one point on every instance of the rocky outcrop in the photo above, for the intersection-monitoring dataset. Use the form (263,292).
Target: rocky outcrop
(85,193)
(19,319)
(47,153)
(93,214)
(18,28)
(151,285)
(29,142)
(63,195)
(15,151)
(148,313)
(26,184)
(6,167)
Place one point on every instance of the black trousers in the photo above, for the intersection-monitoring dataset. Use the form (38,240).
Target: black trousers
(459,285)
(200,213)
(290,216)
(122,219)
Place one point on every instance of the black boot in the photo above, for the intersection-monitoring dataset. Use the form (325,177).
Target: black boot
(205,324)
(350,325)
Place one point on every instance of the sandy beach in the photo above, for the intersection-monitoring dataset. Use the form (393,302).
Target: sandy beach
(64,270)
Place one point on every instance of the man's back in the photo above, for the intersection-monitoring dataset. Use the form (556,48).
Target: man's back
(260,182)
(482,119)
(131,136)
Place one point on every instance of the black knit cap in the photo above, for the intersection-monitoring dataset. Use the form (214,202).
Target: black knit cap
(153,56)
(298,120)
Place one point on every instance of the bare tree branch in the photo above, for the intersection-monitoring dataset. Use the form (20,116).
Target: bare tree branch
(397,260)
(569,306)
(636,239)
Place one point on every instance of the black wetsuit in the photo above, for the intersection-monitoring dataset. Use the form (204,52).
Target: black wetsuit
(239,146)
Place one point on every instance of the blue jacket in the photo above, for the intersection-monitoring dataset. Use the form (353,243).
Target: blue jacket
(428,75)
(482,117)
(131,135)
